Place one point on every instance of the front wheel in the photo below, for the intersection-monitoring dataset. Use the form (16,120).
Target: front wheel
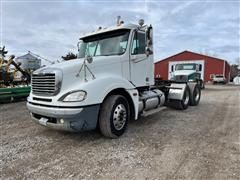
(114,116)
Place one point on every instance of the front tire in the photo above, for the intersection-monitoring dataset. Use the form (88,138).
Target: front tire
(114,116)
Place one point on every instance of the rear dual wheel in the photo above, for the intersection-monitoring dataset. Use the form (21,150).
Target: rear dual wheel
(196,96)
(184,102)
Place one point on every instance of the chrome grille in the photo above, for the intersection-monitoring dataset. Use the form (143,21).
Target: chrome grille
(181,78)
(44,84)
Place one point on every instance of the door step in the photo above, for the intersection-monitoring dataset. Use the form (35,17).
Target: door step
(153,111)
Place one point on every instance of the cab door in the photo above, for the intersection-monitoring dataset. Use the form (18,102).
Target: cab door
(138,60)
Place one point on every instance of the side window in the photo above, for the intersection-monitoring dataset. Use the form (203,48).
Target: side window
(139,43)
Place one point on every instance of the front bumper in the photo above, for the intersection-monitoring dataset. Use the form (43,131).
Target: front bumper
(65,118)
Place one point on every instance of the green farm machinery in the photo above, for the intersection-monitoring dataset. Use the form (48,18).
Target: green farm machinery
(12,86)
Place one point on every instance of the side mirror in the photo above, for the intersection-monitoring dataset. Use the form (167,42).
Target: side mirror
(149,34)
(199,67)
(149,39)
(78,44)
(147,51)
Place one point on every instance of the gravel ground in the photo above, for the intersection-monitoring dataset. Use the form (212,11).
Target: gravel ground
(201,142)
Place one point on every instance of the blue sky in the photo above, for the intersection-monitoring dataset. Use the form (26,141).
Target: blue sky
(52,28)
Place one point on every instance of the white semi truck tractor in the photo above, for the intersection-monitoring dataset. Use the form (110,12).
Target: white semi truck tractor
(111,82)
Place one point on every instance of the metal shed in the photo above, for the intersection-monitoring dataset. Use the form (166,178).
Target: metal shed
(29,62)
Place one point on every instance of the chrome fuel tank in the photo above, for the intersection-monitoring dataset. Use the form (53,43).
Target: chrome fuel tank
(151,99)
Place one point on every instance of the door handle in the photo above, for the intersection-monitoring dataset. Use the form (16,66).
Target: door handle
(133,57)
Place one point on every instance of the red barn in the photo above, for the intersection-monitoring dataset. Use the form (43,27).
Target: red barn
(210,65)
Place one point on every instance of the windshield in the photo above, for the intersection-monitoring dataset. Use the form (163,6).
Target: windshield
(185,66)
(106,44)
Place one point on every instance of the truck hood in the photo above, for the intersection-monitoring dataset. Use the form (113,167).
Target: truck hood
(108,74)
(73,66)
(69,74)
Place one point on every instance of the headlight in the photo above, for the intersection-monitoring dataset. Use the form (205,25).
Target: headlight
(74,96)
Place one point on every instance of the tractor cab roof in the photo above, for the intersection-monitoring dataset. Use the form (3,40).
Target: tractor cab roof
(101,30)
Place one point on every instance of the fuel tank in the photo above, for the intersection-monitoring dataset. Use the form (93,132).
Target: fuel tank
(151,99)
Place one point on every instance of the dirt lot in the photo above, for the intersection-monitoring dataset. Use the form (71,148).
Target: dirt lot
(202,142)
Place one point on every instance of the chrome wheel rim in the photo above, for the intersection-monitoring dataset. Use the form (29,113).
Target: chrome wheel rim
(119,116)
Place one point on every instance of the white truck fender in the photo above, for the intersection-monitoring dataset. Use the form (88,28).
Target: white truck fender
(100,87)
(135,99)
(117,83)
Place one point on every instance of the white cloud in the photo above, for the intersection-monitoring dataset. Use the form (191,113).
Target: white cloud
(51,29)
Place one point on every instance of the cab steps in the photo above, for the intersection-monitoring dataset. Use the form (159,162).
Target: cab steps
(153,111)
